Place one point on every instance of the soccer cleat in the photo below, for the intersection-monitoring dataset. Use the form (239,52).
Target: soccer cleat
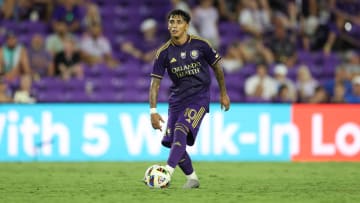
(191,183)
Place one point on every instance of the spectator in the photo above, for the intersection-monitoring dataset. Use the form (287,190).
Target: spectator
(352,63)
(233,59)
(347,9)
(54,41)
(338,39)
(96,48)
(341,77)
(92,16)
(305,84)
(227,9)
(253,19)
(338,95)
(206,18)
(41,10)
(254,51)
(23,10)
(260,85)
(309,26)
(23,94)
(14,59)
(40,59)
(282,45)
(355,96)
(145,48)
(7,9)
(5,96)
(67,62)
(283,95)
(320,96)
(280,75)
(69,12)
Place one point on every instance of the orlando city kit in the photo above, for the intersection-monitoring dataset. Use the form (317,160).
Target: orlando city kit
(188,68)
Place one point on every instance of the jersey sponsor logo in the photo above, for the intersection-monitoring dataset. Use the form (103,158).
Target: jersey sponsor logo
(173,60)
(194,54)
(186,70)
(183,55)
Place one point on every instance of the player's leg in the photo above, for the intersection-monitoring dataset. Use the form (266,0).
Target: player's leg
(186,166)
(193,117)
(185,133)
(178,146)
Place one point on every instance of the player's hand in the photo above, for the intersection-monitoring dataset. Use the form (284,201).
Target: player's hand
(225,102)
(156,121)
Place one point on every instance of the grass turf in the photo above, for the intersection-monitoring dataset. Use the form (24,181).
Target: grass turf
(220,182)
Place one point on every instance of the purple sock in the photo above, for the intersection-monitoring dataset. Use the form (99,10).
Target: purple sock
(185,164)
(178,147)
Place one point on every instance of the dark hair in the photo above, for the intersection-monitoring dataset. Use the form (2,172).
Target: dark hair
(282,87)
(261,65)
(179,12)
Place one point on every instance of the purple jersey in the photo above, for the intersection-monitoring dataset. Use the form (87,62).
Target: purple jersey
(188,67)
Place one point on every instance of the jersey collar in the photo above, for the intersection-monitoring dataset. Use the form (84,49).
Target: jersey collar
(188,41)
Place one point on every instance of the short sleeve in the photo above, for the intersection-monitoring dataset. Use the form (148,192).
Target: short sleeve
(159,65)
(210,54)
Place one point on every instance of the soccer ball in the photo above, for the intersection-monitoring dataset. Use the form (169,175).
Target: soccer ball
(157,176)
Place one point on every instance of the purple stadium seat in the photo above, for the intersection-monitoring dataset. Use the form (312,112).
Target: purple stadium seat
(248,70)
(35,27)
(256,100)
(74,85)
(94,71)
(50,96)
(235,96)
(52,84)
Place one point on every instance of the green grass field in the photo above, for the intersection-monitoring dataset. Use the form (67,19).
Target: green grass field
(220,182)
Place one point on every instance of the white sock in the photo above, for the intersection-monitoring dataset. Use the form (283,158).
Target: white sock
(170,169)
(192,176)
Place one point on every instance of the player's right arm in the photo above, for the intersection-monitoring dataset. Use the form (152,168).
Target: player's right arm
(154,91)
(156,76)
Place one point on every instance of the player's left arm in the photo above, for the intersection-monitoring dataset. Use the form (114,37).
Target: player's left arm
(224,98)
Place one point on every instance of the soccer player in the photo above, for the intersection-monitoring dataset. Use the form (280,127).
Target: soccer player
(186,58)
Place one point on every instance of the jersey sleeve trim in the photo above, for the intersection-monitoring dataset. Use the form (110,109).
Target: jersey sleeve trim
(201,39)
(215,62)
(162,48)
(156,76)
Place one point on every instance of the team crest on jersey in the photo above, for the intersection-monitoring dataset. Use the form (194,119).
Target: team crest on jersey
(183,55)
(194,54)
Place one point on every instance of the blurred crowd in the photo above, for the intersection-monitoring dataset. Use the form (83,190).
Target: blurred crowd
(275,43)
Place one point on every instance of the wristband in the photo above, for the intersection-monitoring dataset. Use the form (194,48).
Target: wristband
(153,110)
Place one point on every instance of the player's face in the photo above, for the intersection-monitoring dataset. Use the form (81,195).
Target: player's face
(177,26)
